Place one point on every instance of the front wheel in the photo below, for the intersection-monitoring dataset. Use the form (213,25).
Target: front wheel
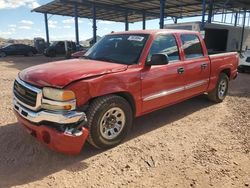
(52,53)
(30,54)
(221,90)
(109,121)
(2,54)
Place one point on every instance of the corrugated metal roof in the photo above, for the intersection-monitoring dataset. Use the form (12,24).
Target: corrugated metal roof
(115,10)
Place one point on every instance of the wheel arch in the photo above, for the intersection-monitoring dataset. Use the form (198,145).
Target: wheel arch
(227,71)
(129,98)
(126,95)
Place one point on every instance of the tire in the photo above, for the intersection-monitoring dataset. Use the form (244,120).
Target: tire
(3,54)
(52,54)
(30,54)
(221,89)
(109,121)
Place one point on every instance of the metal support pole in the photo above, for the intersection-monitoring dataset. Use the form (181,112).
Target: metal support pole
(46,28)
(210,13)
(94,23)
(126,22)
(175,20)
(243,30)
(162,13)
(203,14)
(76,23)
(144,21)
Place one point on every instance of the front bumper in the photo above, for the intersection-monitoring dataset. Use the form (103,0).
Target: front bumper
(68,142)
(62,142)
(41,116)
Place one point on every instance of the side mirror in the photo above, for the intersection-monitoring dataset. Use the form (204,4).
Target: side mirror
(158,59)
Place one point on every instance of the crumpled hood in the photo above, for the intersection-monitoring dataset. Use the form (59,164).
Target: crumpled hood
(61,73)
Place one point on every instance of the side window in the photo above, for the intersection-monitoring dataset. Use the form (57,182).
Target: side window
(165,44)
(60,44)
(20,46)
(11,47)
(192,46)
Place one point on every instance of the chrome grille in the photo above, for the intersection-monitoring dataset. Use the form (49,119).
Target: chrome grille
(27,95)
(24,94)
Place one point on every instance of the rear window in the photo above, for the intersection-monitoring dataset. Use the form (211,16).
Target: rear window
(192,46)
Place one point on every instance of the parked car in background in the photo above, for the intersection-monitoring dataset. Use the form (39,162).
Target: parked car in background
(244,62)
(79,53)
(59,48)
(17,49)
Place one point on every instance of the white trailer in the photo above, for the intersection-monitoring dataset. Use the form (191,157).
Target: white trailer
(219,38)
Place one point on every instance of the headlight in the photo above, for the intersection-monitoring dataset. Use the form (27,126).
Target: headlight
(58,94)
(57,99)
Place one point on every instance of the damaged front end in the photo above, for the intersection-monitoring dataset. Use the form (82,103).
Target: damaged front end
(53,122)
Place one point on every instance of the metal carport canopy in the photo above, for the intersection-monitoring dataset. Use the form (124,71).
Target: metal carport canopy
(130,11)
(115,10)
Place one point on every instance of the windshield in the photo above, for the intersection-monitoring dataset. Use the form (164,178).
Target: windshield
(7,45)
(54,43)
(123,49)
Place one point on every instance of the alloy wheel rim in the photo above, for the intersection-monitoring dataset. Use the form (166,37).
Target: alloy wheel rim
(112,123)
(222,89)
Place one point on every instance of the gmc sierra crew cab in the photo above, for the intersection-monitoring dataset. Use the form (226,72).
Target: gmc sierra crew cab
(123,76)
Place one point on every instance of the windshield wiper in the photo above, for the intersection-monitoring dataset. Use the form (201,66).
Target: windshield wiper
(86,57)
(106,59)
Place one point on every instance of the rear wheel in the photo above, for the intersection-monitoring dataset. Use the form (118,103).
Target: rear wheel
(221,90)
(52,54)
(109,121)
(30,54)
(2,54)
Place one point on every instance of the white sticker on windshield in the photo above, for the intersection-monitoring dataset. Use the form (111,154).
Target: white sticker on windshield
(136,38)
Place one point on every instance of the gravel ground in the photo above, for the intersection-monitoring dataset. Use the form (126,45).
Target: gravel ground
(192,144)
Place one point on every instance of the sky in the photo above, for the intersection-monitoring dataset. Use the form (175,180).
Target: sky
(18,22)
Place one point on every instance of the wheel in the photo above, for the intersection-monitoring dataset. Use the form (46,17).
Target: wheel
(109,120)
(30,54)
(52,54)
(221,90)
(2,54)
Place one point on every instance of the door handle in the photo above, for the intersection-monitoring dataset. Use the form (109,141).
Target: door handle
(180,70)
(203,65)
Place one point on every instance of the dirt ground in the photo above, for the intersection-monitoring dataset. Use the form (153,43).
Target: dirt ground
(192,144)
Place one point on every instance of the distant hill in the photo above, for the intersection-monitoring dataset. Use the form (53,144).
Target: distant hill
(4,42)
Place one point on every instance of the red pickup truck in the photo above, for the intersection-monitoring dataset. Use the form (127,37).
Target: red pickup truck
(123,76)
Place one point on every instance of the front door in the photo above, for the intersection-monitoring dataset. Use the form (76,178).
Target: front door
(164,84)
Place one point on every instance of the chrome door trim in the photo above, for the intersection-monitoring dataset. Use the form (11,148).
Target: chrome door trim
(196,84)
(176,90)
(164,93)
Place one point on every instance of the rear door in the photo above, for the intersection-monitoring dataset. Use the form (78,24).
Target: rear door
(197,65)
(60,47)
(24,50)
(12,50)
(163,85)
(19,49)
